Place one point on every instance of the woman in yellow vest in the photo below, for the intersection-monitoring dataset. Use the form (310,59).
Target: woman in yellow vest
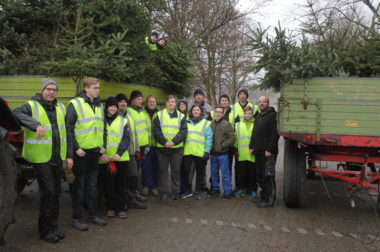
(115,160)
(245,169)
(197,149)
(149,163)
(170,129)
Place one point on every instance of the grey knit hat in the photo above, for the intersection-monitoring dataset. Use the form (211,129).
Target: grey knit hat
(48,81)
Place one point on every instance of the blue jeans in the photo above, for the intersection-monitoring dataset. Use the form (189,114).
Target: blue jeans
(221,162)
(149,169)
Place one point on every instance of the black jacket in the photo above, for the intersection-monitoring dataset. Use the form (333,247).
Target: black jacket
(71,119)
(265,136)
(24,115)
(180,137)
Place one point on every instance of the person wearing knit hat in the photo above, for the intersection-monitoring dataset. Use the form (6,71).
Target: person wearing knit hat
(136,111)
(48,81)
(122,103)
(199,98)
(44,149)
(114,162)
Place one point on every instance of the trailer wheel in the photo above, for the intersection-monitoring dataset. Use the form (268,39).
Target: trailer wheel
(294,174)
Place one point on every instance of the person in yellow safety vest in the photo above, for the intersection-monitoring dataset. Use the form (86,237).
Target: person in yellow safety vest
(45,147)
(245,172)
(151,41)
(149,163)
(86,139)
(237,109)
(197,149)
(114,161)
(170,129)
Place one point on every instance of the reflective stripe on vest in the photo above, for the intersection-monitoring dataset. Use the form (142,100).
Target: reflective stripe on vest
(39,150)
(169,126)
(134,143)
(196,138)
(237,110)
(149,120)
(114,137)
(152,47)
(89,127)
(243,138)
(141,127)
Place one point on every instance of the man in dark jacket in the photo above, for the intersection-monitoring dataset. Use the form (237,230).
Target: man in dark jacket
(264,145)
(223,139)
(45,147)
(86,141)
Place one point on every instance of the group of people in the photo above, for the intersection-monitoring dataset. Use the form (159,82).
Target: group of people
(154,42)
(124,150)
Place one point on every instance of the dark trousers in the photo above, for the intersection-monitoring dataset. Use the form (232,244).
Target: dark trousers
(132,180)
(114,186)
(83,190)
(266,183)
(149,169)
(246,176)
(49,184)
(174,160)
(199,166)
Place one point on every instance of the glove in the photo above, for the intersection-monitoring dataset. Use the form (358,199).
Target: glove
(112,167)
(236,154)
(206,156)
(138,155)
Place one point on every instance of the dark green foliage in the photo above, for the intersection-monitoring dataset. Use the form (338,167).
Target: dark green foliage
(102,38)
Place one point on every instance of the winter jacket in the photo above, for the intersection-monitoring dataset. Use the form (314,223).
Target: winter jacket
(180,137)
(71,119)
(223,137)
(24,115)
(265,136)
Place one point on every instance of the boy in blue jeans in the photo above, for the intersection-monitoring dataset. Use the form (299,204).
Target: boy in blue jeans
(223,139)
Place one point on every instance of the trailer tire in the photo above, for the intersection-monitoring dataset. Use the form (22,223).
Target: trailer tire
(294,174)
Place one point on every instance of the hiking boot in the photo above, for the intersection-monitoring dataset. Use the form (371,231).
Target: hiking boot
(97,221)
(155,192)
(137,205)
(186,195)
(227,196)
(145,191)
(51,238)
(197,196)
(59,234)
(264,203)
(239,193)
(176,196)
(141,198)
(79,225)
(214,193)
(110,213)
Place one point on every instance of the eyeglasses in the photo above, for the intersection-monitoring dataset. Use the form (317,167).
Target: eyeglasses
(54,90)
(96,88)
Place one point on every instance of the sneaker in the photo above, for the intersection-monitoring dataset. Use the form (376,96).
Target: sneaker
(197,196)
(176,196)
(79,225)
(163,196)
(97,221)
(122,215)
(141,198)
(59,234)
(186,195)
(227,196)
(239,193)
(254,194)
(138,205)
(110,213)
(145,191)
(155,192)
(214,193)
(264,203)
(51,238)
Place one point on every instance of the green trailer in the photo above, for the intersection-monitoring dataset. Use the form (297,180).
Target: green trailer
(330,119)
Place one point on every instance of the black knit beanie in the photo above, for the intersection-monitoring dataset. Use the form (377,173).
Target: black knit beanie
(120,97)
(135,94)
(198,91)
(111,101)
